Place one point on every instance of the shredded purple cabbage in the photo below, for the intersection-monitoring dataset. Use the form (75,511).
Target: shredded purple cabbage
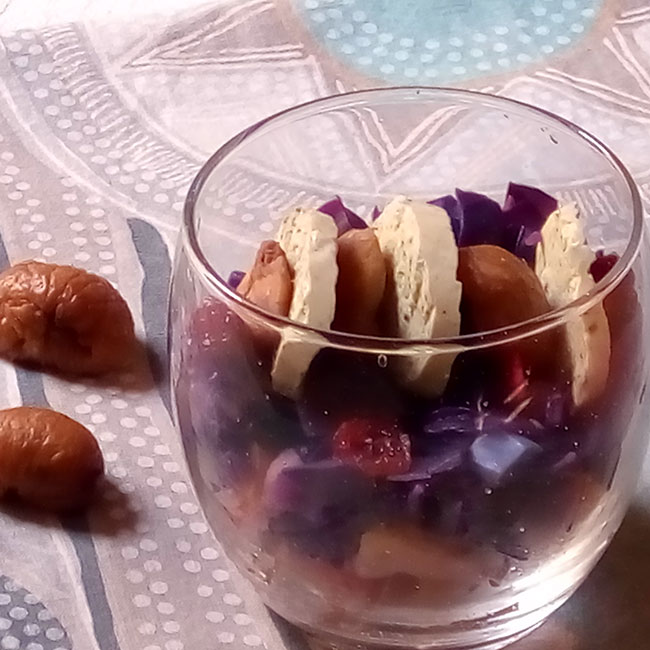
(344,218)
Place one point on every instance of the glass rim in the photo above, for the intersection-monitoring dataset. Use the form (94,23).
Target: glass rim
(522,329)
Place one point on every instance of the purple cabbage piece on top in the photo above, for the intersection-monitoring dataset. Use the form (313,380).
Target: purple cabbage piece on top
(525,212)
(344,218)
(477,219)
(482,221)
(235,278)
(450,205)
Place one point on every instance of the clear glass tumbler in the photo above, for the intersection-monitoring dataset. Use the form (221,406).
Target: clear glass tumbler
(438,557)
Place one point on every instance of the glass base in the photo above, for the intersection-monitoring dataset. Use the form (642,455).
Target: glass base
(428,639)
(492,633)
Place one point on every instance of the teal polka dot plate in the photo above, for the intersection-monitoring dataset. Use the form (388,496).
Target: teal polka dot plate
(445,41)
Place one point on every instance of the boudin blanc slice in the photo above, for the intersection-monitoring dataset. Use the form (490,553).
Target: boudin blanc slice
(308,239)
(422,294)
(562,262)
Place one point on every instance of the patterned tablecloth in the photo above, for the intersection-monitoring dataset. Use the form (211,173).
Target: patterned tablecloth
(107,110)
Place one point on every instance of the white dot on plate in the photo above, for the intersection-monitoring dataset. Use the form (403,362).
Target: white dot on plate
(148,544)
(198,527)
(221,575)
(232,599)
(154,432)
(171,627)
(162,501)
(5,624)
(205,591)
(179,487)
(175,522)
(143,411)
(141,600)
(137,441)
(10,643)
(242,619)
(145,461)
(128,423)
(192,566)
(118,403)
(118,472)
(226,637)
(151,566)
(153,481)
(252,640)
(158,588)
(98,418)
(174,644)
(54,633)
(189,508)
(165,608)
(161,450)
(171,467)
(147,628)
(31,629)
(209,553)
(82,409)
(214,617)
(18,613)
(107,269)
(183,546)
(135,577)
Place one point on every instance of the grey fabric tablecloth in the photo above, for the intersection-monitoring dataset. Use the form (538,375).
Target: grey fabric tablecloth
(107,110)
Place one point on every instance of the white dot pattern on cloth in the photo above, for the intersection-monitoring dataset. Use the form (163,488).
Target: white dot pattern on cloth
(180,576)
(25,622)
(396,44)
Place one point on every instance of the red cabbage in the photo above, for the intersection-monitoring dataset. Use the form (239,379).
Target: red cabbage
(235,278)
(375,213)
(496,455)
(345,218)
(482,221)
(602,265)
(525,211)
(448,457)
(451,206)
(477,219)
(322,508)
